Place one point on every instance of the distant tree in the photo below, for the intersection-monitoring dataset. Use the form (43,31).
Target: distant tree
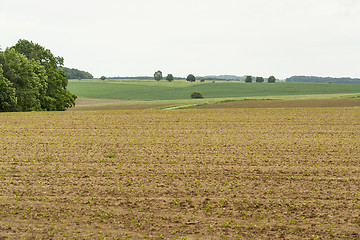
(170,77)
(158,75)
(73,73)
(196,95)
(259,79)
(202,80)
(271,79)
(103,78)
(190,78)
(248,79)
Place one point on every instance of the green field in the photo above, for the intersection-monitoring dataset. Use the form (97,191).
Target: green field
(150,90)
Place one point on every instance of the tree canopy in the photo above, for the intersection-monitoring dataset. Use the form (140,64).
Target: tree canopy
(158,75)
(271,79)
(248,79)
(259,79)
(190,78)
(31,79)
(73,73)
(170,77)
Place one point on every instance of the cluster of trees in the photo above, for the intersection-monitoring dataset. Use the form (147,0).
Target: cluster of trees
(31,79)
(322,79)
(73,73)
(191,78)
(158,76)
(249,79)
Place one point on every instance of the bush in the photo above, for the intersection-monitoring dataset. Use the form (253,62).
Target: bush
(196,95)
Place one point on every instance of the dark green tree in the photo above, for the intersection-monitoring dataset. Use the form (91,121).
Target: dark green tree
(57,97)
(259,79)
(22,74)
(271,79)
(196,95)
(158,75)
(73,73)
(8,99)
(170,77)
(190,78)
(103,78)
(248,79)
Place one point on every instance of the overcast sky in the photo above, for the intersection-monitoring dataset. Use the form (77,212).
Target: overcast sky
(202,37)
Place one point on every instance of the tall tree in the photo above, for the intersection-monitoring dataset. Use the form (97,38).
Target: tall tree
(57,97)
(158,75)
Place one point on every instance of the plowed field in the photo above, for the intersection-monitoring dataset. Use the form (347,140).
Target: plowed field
(346,102)
(288,173)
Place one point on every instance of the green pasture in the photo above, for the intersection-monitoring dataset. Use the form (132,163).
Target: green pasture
(147,90)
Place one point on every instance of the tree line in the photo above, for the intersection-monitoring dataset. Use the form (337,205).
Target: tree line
(270,79)
(158,76)
(322,79)
(191,78)
(31,79)
(73,73)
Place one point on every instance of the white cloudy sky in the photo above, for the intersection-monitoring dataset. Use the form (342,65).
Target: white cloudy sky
(203,37)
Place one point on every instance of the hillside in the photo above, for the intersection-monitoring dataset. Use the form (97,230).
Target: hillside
(180,89)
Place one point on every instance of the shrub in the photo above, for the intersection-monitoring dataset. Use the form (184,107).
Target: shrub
(196,95)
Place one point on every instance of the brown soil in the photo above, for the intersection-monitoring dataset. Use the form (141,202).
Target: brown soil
(83,104)
(290,173)
(348,102)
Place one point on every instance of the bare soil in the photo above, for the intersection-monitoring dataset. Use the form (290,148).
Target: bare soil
(83,104)
(290,173)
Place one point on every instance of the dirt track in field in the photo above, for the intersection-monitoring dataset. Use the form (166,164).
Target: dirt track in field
(290,173)
(348,102)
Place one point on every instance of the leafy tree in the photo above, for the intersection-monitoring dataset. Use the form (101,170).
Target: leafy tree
(271,79)
(158,75)
(57,97)
(21,73)
(259,79)
(190,78)
(202,80)
(196,95)
(248,79)
(103,78)
(170,77)
(8,99)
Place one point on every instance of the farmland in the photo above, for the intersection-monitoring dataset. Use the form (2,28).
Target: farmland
(182,174)
(150,90)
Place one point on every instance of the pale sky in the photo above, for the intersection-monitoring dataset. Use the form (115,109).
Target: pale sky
(202,37)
